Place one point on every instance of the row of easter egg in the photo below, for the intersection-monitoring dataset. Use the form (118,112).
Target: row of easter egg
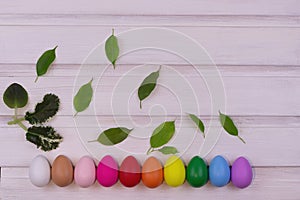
(130,173)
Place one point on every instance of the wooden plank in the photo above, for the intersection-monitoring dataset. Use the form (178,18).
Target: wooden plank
(271,183)
(149,21)
(59,70)
(152,121)
(229,46)
(273,139)
(144,7)
(244,95)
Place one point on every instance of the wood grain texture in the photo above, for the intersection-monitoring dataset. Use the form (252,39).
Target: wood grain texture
(144,7)
(250,46)
(149,20)
(255,45)
(245,95)
(271,183)
(274,146)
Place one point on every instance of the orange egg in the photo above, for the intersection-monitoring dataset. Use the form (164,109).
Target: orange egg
(152,173)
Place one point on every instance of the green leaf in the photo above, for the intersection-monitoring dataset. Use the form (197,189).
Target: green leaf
(43,137)
(168,150)
(112,49)
(83,97)
(148,85)
(199,123)
(113,136)
(44,110)
(15,96)
(229,126)
(44,62)
(162,134)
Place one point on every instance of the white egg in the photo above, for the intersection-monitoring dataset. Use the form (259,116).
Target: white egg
(39,171)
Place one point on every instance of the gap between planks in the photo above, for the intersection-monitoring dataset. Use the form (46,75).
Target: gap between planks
(147,20)
(58,70)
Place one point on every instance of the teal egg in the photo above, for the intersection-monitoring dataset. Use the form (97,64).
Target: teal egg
(197,172)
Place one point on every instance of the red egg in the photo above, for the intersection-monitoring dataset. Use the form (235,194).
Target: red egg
(130,172)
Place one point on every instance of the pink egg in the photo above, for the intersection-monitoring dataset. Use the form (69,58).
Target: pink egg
(85,172)
(107,171)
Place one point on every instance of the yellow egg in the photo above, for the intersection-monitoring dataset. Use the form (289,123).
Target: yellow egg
(174,171)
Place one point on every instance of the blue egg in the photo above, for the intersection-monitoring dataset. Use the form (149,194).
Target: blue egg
(219,171)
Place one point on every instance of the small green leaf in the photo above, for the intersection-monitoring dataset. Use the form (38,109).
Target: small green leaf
(43,137)
(112,49)
(15,96)
(44,62)
(113,136)
(229,126)
(83,97)
(44,110)
(199,123)
(162,134)
(168,150)
(148,85)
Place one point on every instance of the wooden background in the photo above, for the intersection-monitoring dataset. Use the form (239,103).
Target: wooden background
(255,44)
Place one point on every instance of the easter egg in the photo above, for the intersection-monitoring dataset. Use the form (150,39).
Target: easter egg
(62,171)
(130,172)
(241,173)
(85,172)
(107,171)
(197,172)
(152,173)
(39,171)
(174,171)
(219,171)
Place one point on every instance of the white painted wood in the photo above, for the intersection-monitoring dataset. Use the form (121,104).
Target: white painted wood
(58,70)
(231,46)
(184,120)
(245,95)
(266,145)
(254,43)
(144,7)
(149,21)
(271,183)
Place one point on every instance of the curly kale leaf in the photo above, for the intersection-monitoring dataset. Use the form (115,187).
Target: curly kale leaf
(43,137)
(44,110)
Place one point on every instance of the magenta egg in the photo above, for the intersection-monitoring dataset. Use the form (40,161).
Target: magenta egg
(241,173)
(107,171)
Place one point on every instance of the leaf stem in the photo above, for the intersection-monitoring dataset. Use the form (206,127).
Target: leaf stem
(75,114)
(92,141)
(55,47)
(16,120)
(37,77)
(150,150)
(241,139)
(113,31)
(140,104)
(159,68)
(22,126)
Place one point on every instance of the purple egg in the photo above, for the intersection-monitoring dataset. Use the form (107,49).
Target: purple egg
(241,173)
(107,171)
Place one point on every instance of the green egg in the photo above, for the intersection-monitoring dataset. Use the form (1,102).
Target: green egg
(197,172)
